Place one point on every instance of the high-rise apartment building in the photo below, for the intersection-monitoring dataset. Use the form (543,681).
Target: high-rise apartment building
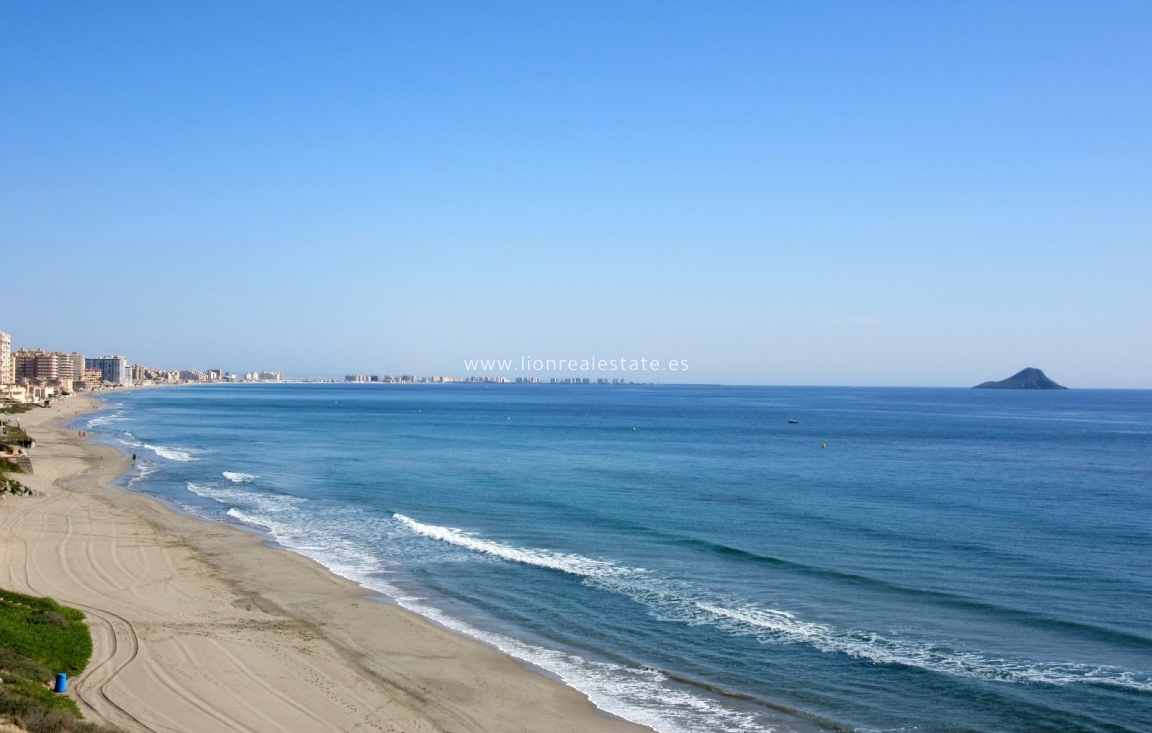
(35,365)
(113,369)
(7,368)
(69,367)
(77,366)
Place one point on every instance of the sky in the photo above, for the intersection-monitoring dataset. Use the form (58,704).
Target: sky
(818,193)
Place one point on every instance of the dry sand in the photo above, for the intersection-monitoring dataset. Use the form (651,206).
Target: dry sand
(201,627)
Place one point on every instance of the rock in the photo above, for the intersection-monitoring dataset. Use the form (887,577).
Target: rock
(1030,378)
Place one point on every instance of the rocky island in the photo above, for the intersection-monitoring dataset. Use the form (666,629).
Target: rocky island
(1030,378)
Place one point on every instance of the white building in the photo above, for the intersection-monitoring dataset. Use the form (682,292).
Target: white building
(7,367)
(113,369)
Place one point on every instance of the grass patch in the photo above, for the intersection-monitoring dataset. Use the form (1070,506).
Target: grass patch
(38,638)
(15,408)
(45,632)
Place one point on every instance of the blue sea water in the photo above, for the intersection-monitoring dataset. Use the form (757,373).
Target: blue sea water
(953,560)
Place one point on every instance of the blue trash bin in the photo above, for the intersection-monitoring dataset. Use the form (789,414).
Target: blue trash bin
(61,683)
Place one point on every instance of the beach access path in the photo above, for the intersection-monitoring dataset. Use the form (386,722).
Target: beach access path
(198,626)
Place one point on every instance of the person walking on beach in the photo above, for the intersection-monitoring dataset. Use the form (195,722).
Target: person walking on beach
(133,457)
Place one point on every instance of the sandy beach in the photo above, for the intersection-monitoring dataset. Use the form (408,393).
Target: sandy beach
(199,626)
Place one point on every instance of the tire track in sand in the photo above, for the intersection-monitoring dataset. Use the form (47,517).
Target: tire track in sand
(119,636)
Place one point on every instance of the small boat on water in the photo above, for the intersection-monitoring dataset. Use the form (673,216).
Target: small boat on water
(793,422)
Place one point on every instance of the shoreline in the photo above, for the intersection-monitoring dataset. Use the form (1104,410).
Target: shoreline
(199,626)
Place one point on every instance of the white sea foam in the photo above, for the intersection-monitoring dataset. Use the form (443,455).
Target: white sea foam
(769,625)
(101,420)
(564,562)
(669,600)
(182,455)
(250,500)
(251,519)
(240,478)
(638,694)
(143,469)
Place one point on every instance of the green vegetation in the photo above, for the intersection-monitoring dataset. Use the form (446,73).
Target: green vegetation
(15,409)
(38,638)
(12,437)
(44,631)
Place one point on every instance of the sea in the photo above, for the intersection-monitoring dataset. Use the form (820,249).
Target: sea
(693,560)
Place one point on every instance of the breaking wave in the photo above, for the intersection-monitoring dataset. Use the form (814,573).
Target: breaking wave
(669,600)
(102,420)
(231,497)
(638,694)
(181,455)
(574,564)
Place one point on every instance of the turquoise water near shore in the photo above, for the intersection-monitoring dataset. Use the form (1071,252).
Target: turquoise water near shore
(954,560)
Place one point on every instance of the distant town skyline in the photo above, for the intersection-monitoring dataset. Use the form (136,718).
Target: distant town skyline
(36,375)
(779,193)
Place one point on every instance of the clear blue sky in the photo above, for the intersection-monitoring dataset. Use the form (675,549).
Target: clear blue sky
(912,193)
